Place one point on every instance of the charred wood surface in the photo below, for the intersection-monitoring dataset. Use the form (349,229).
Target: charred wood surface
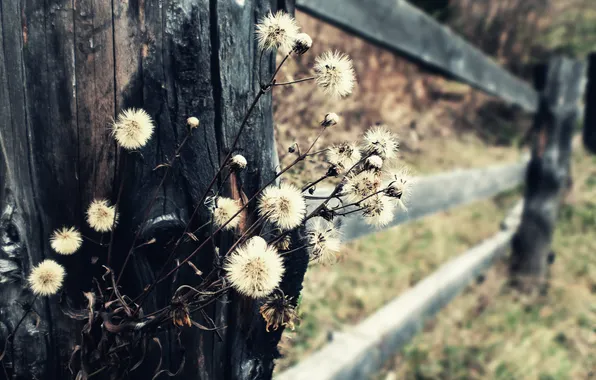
(66,70)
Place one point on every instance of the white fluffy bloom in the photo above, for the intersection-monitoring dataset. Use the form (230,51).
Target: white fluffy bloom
(238,162)
(400,186)
(334,73)
(330,119)
(133,128)
(374,161)
(378,211)
(224,210)
(46,278)
(380,141)
(283,206)
(255,269)
(193,122)
(323,239)
(66,240)
(101,216)
(277,30)
(362,185)
(302,43)
(344,156)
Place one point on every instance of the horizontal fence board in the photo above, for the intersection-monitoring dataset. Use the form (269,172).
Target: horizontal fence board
(363,349)
(406,30)
(441,192)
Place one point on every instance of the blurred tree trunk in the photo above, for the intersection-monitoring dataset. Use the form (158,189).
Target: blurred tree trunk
(66,70)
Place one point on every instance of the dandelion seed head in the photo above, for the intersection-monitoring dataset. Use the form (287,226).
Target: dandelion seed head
(46,278)
(374,161)
(380,141)
(193,122)
(362,185)
(66,240)
(400,186)
(101,216)
(225,209)
(255,269)
(277,310)
(334,73)
(330,119)
(378,211)
(238,162)
(283,206)
(344,156)
(302,43)
(277,30)
(323,240)
(133,128)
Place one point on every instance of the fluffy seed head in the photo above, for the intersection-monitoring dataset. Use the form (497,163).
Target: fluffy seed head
(238,162)
(254,269)
(46,278)
(334,73)
(302,43)
(380,141)
(66,240)
(284,206)
(330,119)
(133,128)
(323,240)
(362,185)
(379,210)
(399,187)
(374,162)
(192,122)
(101,216)
(344,156)
(277,30)
(278,311)
(224,210)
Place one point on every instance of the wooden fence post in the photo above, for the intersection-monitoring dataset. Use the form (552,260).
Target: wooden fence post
(590,106)
(66,70)
(548,171)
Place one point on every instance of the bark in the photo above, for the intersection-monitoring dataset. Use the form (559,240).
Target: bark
(66,70)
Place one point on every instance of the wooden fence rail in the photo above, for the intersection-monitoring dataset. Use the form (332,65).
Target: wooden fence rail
(404,29)
(440,192)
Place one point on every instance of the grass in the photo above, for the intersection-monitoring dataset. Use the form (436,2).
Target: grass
(493,332)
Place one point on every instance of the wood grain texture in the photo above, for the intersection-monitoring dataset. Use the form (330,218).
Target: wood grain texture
(589,131)
(548,172)
(404,29)
(362,350)
(66,70)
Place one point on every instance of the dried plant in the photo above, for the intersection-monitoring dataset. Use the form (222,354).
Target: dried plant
(250,259)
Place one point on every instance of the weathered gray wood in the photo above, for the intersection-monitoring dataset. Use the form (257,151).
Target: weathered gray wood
(361,351)
(441,192)
(401,27)
(66,69)
(548,171)
(589,132)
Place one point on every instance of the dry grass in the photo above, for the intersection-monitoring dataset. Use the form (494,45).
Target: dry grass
(493,332)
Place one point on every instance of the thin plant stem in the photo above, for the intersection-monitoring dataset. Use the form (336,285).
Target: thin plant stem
(294,81)
(308,186)
(260,93)
(295,249)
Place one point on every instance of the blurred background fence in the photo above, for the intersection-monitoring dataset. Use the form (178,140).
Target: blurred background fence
(554,102)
